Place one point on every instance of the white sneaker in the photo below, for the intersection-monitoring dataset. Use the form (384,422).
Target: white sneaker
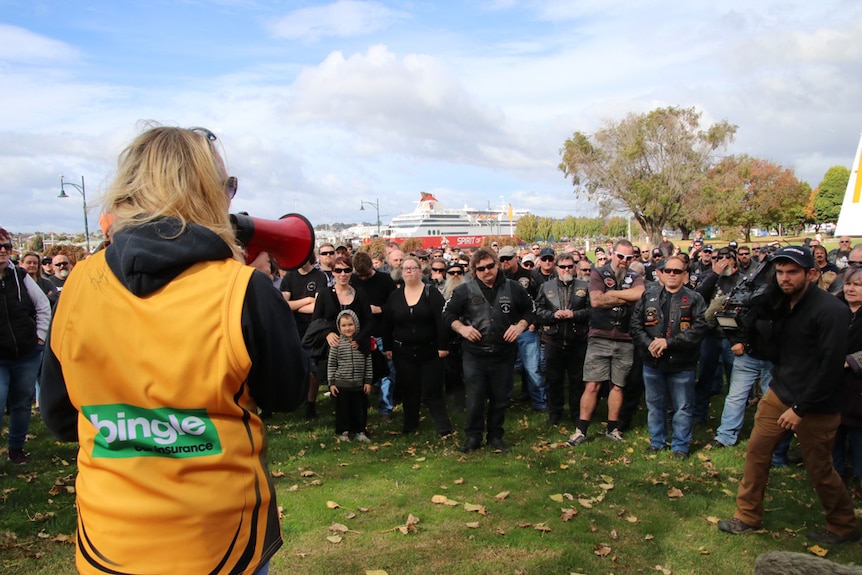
(361,437)
(344,437)
(615,435)
(577,438)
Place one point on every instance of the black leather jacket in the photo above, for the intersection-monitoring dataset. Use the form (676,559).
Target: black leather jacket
(684,329)
(554,295)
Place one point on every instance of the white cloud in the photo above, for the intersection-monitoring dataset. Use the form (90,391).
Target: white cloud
(20,46)
(343,18)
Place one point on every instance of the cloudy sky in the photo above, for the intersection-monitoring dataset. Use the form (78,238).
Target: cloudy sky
(320,105)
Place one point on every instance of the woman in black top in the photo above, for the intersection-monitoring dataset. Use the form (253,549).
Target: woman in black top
(415,338)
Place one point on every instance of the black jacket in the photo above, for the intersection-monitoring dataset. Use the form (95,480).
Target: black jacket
(684,329)
(555,295)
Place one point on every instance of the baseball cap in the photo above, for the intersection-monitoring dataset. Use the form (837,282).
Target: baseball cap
(656,252)
(547,252)
(733,245)
(800,255)
(529,258)
(507,252)
(707,248)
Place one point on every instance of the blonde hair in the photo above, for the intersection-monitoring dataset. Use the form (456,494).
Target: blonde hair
(175,173)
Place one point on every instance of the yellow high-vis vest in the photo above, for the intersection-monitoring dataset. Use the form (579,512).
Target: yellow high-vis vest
(172,472)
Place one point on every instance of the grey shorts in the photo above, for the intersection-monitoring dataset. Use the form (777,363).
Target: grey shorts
(608,360)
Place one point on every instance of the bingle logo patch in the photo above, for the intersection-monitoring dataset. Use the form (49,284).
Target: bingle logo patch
(132,431)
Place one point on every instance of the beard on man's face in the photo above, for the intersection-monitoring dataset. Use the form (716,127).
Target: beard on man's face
(395,274)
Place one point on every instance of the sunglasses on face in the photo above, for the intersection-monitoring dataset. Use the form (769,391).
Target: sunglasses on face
(332,253)
(230,186)
(565,267)
(454,273)
(490,266)
(673,271)
(438,270)
(7,246)
(548,258)
(527,264)
(506,258)
(422,259)
(341,270)
(585,269)
(854,264)
(723,257)
(744,253)
(61,265)
(622,257)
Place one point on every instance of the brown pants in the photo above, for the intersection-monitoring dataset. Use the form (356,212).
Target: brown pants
(816,434)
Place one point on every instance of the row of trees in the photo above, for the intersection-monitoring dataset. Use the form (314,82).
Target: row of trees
(671,174)
(532,228)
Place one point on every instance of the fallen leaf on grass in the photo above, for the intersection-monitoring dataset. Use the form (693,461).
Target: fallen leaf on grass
(703,550)
(276,473)
(459,481)
(443,500)
(420,459)
(674,493)
(502,495)
(606,486)
(568,514)
(334,538)
(712,519)
(614,534)
(601,550)
(480,509)
(586,503)
(307,473)
(500,531)
(631,519)
(63,539)
(41,516)
(472,525)
(339,528)
(728,492)
(375,572)
(818,550)
(293,487)
(663,570)
(332,505)
(541,527)
(649,537)
(558,497)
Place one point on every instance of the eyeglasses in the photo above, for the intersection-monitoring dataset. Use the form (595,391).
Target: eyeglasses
(585,269)
(565,267)
(410,269)
(843,241)
(489,267)
(7,246)
(744,253)
(755,249)
(673,271)
(506,258)
(536,249)
(230,186)
(61,265)
(438,270)
(454,273)
(527,264)
(341,270)
(602,259)
(547,258)
(332,253)
(622,257)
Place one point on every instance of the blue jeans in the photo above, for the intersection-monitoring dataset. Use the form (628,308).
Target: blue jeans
(386,385)
(529,353)
(17,386)
(714,352)
(679,386)
(746,371)
(485,380)
(263,570)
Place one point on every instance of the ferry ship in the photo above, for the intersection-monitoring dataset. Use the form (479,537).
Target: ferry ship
(437,226)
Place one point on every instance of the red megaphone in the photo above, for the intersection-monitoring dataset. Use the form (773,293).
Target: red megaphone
(289,239)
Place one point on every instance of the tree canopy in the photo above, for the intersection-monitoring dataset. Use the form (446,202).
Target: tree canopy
(651,164)
(830,194)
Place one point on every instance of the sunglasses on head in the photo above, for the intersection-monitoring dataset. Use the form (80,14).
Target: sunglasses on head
(673,271)
(490,266)
(341,270)
(230,186)
(622,257)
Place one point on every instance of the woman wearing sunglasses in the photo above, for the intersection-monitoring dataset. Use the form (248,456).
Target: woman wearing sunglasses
(162,350)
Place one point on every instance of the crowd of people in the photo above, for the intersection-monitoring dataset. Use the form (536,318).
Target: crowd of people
(626,324)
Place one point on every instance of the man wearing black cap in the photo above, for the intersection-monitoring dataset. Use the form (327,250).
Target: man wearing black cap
(701,263)
(805,396)
(545,267)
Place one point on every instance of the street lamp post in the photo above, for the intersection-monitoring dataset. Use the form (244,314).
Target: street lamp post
(376,206)
(83,191)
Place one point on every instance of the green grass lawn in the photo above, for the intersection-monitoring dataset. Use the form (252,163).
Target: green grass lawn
(353,508)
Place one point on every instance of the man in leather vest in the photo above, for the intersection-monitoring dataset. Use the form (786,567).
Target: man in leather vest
(563,310)
(614,290)
(489,312)
(668,324)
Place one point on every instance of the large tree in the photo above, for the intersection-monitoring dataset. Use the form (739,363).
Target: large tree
(649,164)
(830,194)
(746,192)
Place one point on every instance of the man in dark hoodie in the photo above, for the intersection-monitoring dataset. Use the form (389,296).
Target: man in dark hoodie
(160,354)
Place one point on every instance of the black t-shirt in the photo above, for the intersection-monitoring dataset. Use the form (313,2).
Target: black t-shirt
(301,286)
(377,290)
